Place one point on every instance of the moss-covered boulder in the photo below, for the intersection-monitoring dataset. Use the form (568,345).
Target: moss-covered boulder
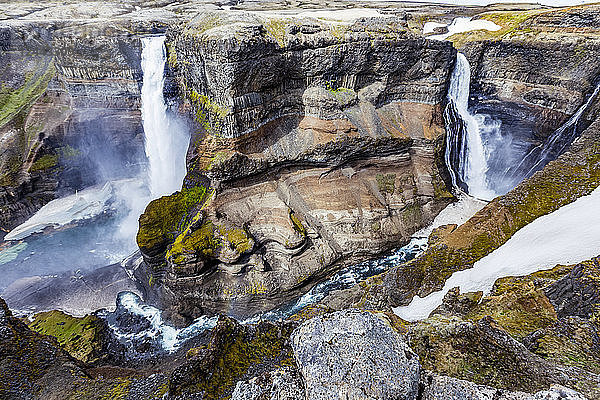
(484,353)
(572,341)
(83,338)
(32,365)
(235,353)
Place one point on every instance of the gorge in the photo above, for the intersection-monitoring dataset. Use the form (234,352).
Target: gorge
(245,201)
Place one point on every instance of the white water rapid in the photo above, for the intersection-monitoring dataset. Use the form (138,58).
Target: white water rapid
(165,139)
(569,235)
(468,165)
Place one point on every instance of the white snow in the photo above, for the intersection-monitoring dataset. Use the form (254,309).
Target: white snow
(466,24)
(60,212)
(569,235)
(456,213)
(429,27)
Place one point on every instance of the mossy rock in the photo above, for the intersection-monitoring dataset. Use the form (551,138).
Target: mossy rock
(482,352)
(15,100)
(208,241)
(572,341)
(236,352)
(165,218)
(82,338)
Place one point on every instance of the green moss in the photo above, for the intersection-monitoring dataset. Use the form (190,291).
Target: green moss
(200,242)
(241,351)
(520,310)
(338,31)
(13,101)
(297,224)
(171,55)
(237,238)
(67,152)
(45,162)
(206,22)
(205,242)
(208,113)
(80,337)
(218,158)
(120,390)
(386,183)
(276,29)
(168,216)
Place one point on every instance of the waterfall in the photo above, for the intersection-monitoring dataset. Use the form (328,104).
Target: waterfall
(166,140)
(466,155)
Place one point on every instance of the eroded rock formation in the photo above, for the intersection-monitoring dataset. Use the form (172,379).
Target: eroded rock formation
(318,145)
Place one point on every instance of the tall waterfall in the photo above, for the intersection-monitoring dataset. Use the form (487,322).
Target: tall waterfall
(166,140)
(466,156)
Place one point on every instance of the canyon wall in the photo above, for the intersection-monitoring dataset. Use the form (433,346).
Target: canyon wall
(70,118)
(318,145)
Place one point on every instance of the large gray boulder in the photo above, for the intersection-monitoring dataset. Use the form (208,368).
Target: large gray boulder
(353,355)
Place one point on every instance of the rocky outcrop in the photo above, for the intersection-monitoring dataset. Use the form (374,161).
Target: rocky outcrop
(355,355)
(437,387)
(514,338)
(531,77)
(318,145)
(576,173)
(32,365)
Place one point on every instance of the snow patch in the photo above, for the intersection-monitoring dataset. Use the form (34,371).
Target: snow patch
(466,24)
(569,235)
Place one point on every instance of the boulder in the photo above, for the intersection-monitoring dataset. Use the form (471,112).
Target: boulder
(354,355)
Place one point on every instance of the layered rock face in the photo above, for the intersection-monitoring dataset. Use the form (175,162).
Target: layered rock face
(318,145)
(70,110)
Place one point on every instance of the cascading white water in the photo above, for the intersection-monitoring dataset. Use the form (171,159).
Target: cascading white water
(166,138)
(467,136)
(165,142)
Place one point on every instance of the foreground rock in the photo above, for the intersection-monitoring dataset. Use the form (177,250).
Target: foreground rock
(516,338)
(437,387)
(355,355)
(32,365)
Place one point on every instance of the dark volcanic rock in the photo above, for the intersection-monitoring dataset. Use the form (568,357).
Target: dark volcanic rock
(31,364)
(577,294)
